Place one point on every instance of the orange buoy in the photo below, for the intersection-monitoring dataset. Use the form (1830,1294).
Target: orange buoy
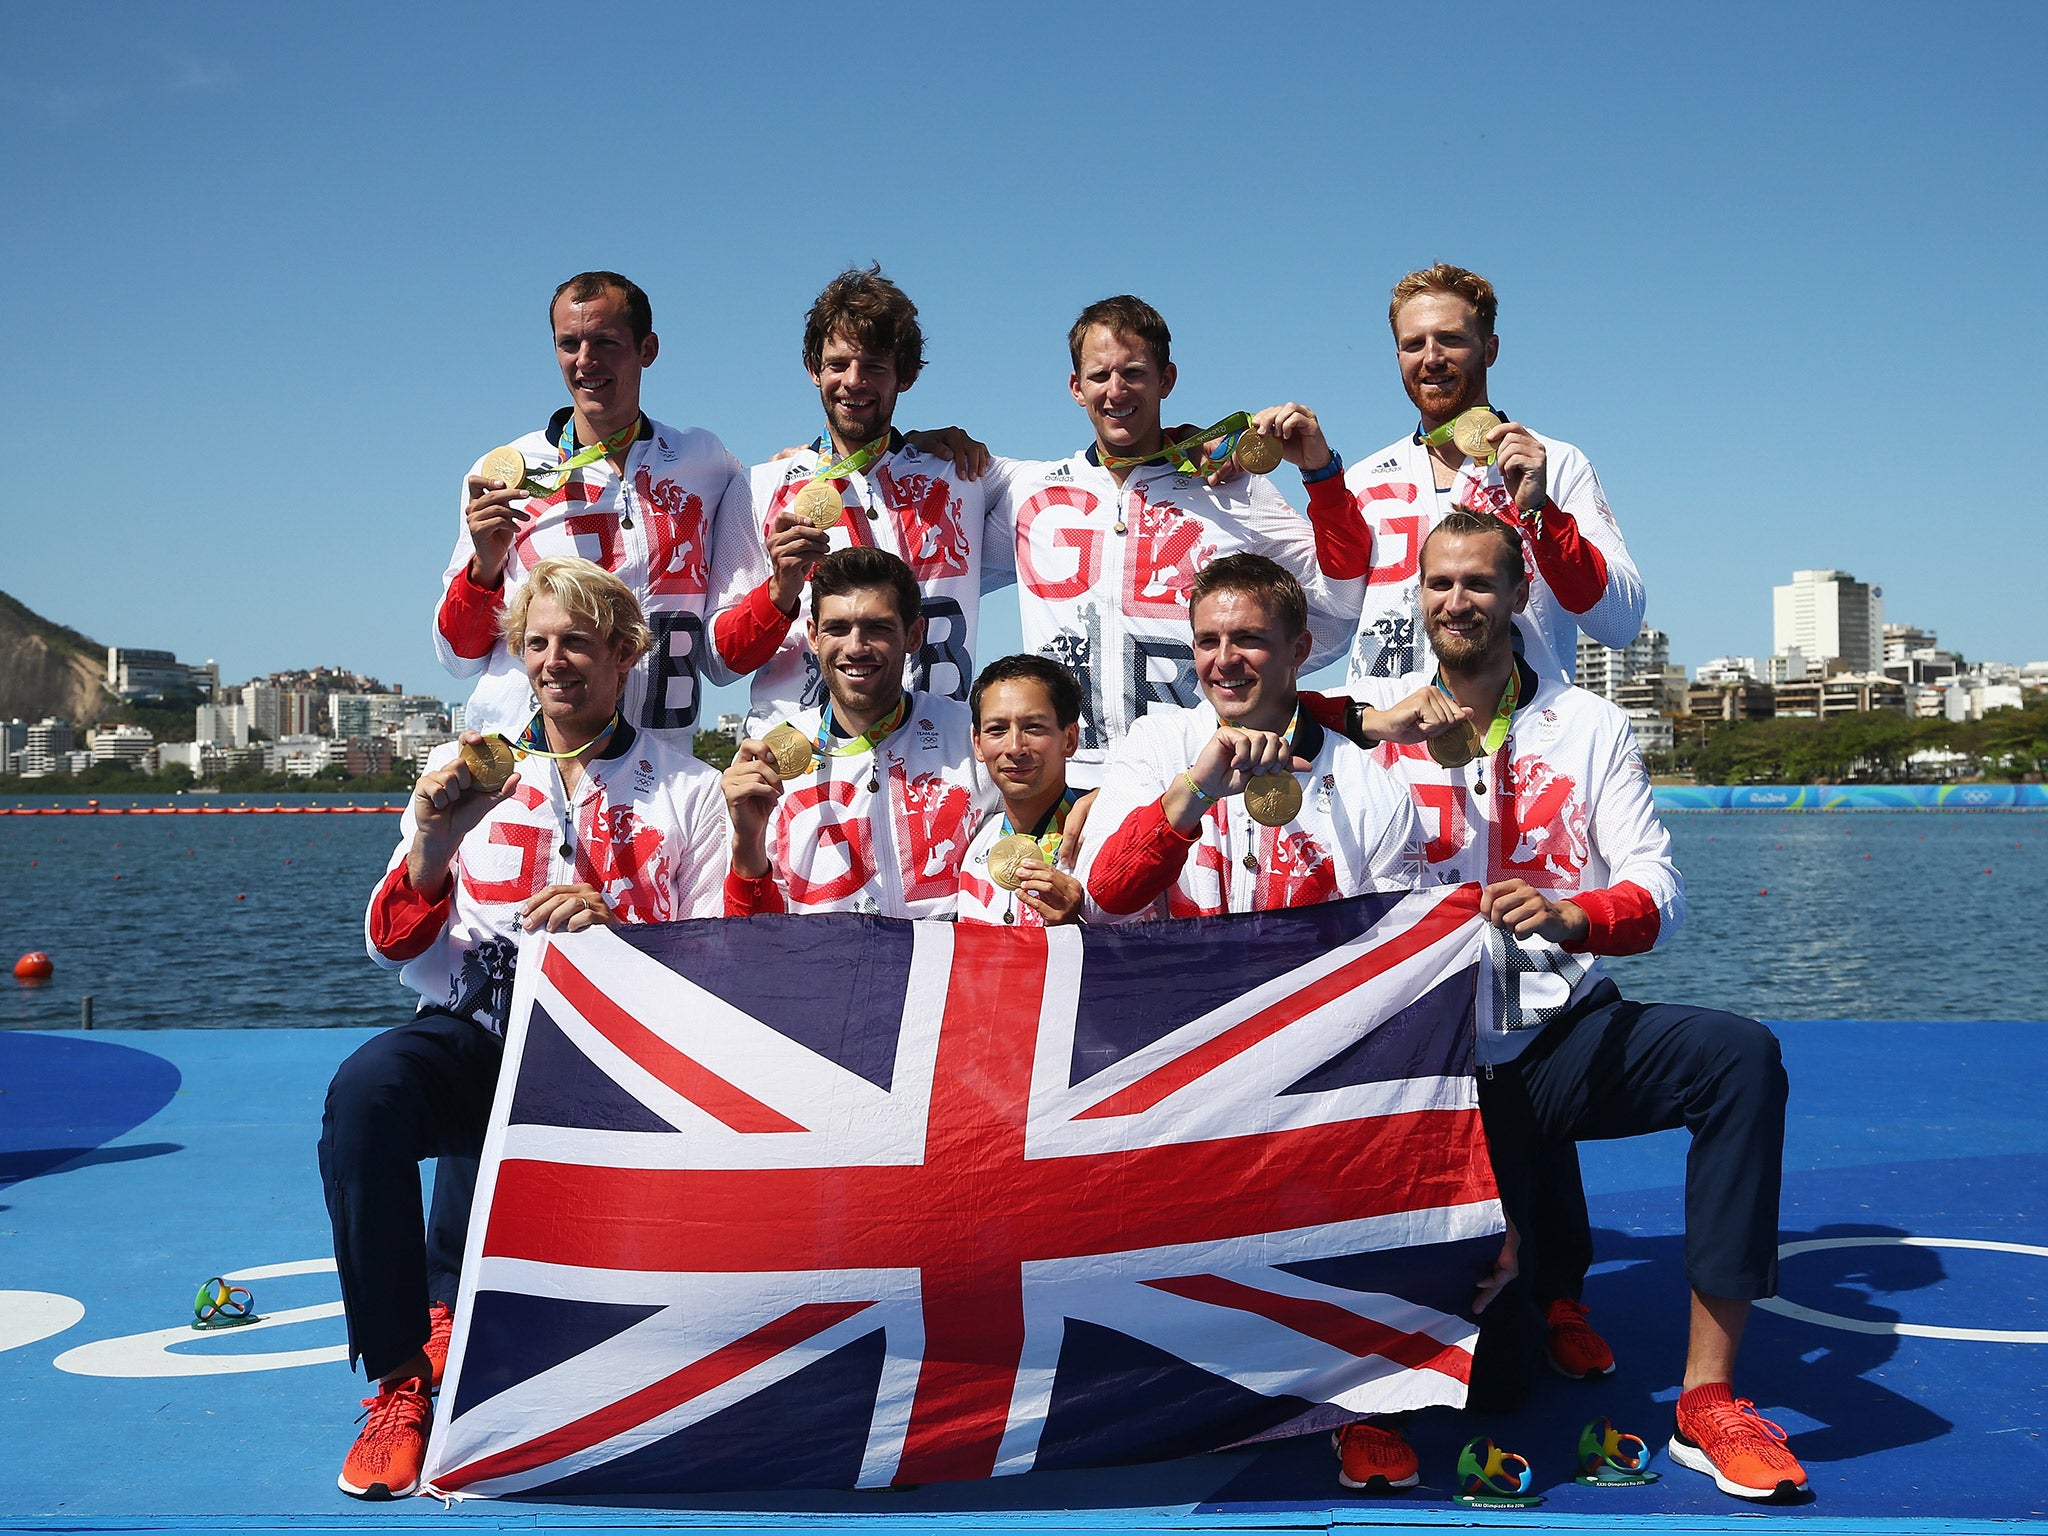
(34,966)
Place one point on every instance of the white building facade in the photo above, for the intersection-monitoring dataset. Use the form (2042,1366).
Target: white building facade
(1829,616)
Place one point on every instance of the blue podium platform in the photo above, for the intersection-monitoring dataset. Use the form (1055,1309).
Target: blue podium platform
(1907,1354)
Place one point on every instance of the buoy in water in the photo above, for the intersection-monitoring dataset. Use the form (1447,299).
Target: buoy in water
(34,966)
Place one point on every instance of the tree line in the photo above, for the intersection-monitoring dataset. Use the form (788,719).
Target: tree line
(1877,747)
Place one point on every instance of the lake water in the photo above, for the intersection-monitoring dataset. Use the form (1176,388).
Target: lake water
(233,921)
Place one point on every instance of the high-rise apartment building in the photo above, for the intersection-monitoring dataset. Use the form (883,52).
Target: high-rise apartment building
(221,725)
(1829,616)
(1902,640)
(1602,669)
(47,748)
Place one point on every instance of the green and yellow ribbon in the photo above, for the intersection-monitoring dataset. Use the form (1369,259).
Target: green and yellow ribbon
(855,463)
(574,460)
(1050,833)
(530,740)
(1503,714)
(1177,454)
(867,741)
(1447,432)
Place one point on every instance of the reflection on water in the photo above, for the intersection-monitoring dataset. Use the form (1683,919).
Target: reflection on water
(233,921)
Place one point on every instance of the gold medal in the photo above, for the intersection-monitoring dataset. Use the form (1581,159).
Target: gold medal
(1470,429)
(490,762)
(1273,799)
(792,751)
(1256,454)
(507,464)
(1009,853)
(1457,746)
(818,504)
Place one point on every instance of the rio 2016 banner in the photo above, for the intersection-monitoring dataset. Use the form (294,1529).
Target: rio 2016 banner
(1852,797)
(842,1201)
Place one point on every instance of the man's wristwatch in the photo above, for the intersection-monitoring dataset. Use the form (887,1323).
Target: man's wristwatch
(1354,725)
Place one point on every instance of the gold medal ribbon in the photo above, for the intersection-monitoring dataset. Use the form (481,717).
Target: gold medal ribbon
(1448,432)
(1503,714)
(561,472)
(855,463)
(867,741)
(1050,833)
(530,739)
(1293,725)
(1177,453)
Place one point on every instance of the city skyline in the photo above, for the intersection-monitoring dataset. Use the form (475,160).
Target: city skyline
(454,691)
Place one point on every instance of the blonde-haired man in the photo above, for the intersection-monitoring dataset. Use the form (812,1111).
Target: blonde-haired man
(601,823)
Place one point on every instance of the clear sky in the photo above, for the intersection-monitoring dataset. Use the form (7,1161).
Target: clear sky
(277,274)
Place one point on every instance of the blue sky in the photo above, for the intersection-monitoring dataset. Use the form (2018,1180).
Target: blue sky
(279,274)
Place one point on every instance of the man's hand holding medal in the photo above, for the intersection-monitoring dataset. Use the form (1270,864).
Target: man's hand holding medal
(1230,761)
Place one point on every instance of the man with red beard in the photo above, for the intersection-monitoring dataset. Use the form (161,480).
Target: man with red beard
(1371,520)
(604,482)
(1540,796)
(1246,804)
(862,349)
(865,803)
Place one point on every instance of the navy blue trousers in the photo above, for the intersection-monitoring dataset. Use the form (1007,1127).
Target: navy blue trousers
(1614,1068)
(416,1092)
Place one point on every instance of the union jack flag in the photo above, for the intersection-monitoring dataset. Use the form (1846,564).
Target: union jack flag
(843,1201)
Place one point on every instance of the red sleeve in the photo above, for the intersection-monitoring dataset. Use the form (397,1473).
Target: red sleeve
(403,923)
(1575,570)
(1343,536)
(1141,859)
(1326,709)
(750,632)
(1621,920)
(751,898)
(469,615)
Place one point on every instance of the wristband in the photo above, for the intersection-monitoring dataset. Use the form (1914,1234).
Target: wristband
(1354,724)
(1316,476)
(1195,789)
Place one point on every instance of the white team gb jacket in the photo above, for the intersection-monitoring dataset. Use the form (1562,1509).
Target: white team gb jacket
(1395,492)
(914,506)
(1103,573)
(1566,807)
(651,527)
(646,827)
(1356,830)
(894,850)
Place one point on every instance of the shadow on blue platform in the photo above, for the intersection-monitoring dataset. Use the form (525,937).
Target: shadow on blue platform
(1640,1302)
(67,1098)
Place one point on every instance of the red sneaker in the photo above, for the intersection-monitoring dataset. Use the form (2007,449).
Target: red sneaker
(1374,1458)
(440,1325)
(1741,1450)
(384,1463)
(1576,1351)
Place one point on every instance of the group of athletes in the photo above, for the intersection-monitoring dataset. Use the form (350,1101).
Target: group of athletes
(1149,754)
